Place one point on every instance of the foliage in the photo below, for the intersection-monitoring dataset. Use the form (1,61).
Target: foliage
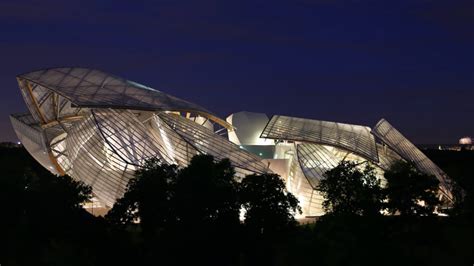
(163,195)
(37,196)
(42,223)
(202,194)
(463,199)
(148,197)
(409,191)
(177,208)
(41,211)
(207,213)
(54,195)
(268,206)
(458,166)
(375,240)
(347,190)
(206,193)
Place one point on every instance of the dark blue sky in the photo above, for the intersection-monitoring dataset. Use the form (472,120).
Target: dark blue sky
(411,62)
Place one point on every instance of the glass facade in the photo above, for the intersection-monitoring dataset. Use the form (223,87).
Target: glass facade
(99,129)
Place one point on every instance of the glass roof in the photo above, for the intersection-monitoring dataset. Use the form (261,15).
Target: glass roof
(93,88)
(357,139)
(395,140)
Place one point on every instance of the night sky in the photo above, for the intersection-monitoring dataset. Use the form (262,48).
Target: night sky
(411,62)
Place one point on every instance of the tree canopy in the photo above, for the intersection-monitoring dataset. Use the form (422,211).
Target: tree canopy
(162,195)
(409,191)
(41,212)
(267,204)
(35,195)
(44,223)
(205,192)
(179,207)
(349,190)
(148,197)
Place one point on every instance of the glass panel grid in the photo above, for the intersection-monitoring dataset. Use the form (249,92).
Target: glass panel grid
(396,141)
(357,139)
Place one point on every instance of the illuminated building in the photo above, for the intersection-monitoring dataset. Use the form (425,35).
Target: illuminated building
(99,128)
(465,141)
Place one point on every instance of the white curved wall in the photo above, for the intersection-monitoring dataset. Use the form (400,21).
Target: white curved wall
(248,128)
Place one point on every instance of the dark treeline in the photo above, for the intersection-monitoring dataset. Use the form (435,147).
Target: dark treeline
(172,216)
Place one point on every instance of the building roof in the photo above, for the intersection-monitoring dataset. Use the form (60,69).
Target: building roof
(93,88)
(395,140)
(357,139)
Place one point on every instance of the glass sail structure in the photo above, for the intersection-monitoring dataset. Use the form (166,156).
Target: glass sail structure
(99,129)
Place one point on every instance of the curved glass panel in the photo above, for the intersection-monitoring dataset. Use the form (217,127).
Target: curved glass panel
(395,140)
(93,88)
(357,139)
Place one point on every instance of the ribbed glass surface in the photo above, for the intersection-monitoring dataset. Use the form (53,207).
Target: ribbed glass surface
(106,146)
(33,139)
(207,142)
(357,139)
(46,105)
(99,128)
(387,156)
(310,200)
(93,88)
(395,140)
(314,161)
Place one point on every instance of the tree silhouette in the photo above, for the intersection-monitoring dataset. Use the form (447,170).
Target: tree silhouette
(347,190)
(206,193)
(34,195)
(179,208)
(409,191)
(269,208)
(44,223)
(41,211)
(52,198)
(462,197)
(269,217)
(148,198)
(207,210)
